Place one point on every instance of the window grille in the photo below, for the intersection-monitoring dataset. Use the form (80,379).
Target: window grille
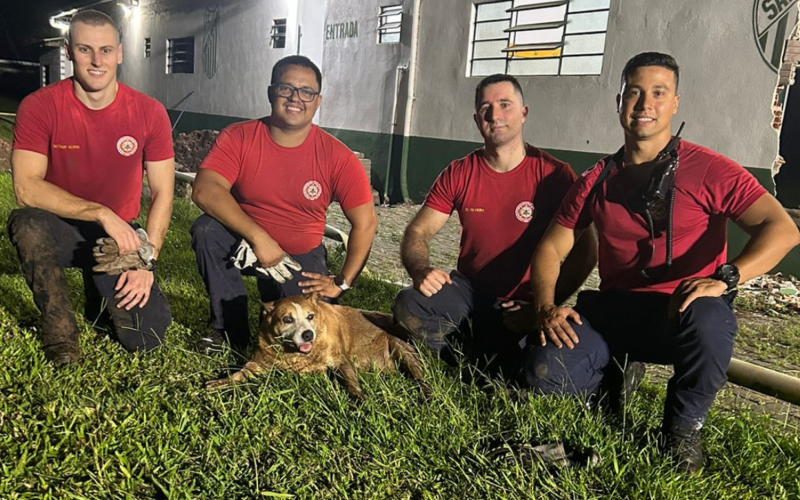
(390,21)
(538,37)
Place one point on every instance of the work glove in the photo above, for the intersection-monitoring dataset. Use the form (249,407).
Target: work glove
(245,257)
(109,261)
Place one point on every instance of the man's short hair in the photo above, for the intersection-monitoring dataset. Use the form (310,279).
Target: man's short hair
(92,18)
(650,59)
(498,78)
(302,61)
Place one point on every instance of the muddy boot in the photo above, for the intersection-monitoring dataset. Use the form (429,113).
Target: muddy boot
(38,254)
(60,341)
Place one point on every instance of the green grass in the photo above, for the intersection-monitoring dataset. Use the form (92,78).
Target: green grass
(7,105)
(121,426)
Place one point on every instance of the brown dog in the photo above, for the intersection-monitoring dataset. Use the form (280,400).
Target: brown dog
(308,335)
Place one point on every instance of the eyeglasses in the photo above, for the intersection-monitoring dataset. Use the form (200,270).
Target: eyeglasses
(283,90)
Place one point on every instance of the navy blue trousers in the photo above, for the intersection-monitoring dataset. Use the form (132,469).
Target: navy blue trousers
(213,245)
(47,244)
(460,315)
(698,343)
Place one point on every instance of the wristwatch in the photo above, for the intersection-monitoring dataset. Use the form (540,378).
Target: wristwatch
(728,274)
(341,283)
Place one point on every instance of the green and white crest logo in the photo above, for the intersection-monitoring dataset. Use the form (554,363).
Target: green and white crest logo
(772,22)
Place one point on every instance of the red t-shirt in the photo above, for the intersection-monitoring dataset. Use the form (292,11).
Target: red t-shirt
(709,189)
(287,191)
(503,216)
(96,155)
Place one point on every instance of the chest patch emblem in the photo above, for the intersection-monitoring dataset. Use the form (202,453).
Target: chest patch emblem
(312,190)
(524,212)
(127,145)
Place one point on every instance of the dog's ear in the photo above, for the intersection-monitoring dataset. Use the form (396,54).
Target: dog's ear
(267,306)
(313,297)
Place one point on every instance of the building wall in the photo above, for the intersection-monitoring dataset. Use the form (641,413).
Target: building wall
(568,113)
(244,57)
(725,86)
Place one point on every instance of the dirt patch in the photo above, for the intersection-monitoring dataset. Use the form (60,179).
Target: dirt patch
(5,155)
(192,147)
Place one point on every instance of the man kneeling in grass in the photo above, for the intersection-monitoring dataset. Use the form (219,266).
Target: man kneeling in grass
(661,207)
(505,193)
(80,148)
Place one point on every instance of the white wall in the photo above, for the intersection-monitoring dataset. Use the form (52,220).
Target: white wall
(244,55)
(360,73)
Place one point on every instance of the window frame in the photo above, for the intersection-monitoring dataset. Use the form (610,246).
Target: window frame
(277,34)
(386,28)
(180,46)
(550,51)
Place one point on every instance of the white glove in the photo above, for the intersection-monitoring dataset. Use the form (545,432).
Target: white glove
(245,257)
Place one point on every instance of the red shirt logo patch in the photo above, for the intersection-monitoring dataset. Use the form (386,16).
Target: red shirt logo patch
(312,190)
(524,212)
(127,145)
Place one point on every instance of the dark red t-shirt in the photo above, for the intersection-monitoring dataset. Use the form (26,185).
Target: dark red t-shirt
(709,189)
(503,216)
(287,191)
(96,155)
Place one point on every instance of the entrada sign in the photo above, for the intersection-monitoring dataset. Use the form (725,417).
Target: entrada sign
(347,29)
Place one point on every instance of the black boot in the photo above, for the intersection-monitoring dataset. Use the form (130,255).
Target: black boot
(684,447)
(620,381)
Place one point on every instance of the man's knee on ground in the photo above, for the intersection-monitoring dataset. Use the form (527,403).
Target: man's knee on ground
(552,370)
(410,313)
(130,331)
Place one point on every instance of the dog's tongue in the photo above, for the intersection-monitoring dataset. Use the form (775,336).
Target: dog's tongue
(305,347)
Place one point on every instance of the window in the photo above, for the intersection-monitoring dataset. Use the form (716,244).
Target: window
(45,75)
(278,34)
(539,37)
(147,47)
(390,22)
(180,55)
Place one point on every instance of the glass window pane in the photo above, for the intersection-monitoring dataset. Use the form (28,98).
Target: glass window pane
(584,44)
(488,11)
(486,68)
(582,5)
(581,23)
(491,30)
(521,67)
(390,38)
(537,36)
(547,15)
(394,18)
(584,65)
(489,49)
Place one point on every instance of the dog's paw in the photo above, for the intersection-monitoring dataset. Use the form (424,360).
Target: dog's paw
(426,389)
(219,383)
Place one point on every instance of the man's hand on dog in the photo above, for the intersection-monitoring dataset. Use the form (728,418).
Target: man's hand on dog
(552,324)
(692,289)
(323,284)
(430,280)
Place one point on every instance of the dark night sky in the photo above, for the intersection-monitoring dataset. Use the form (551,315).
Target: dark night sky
(23,23)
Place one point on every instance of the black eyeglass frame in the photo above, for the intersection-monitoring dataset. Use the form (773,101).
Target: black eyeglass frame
(300,92)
